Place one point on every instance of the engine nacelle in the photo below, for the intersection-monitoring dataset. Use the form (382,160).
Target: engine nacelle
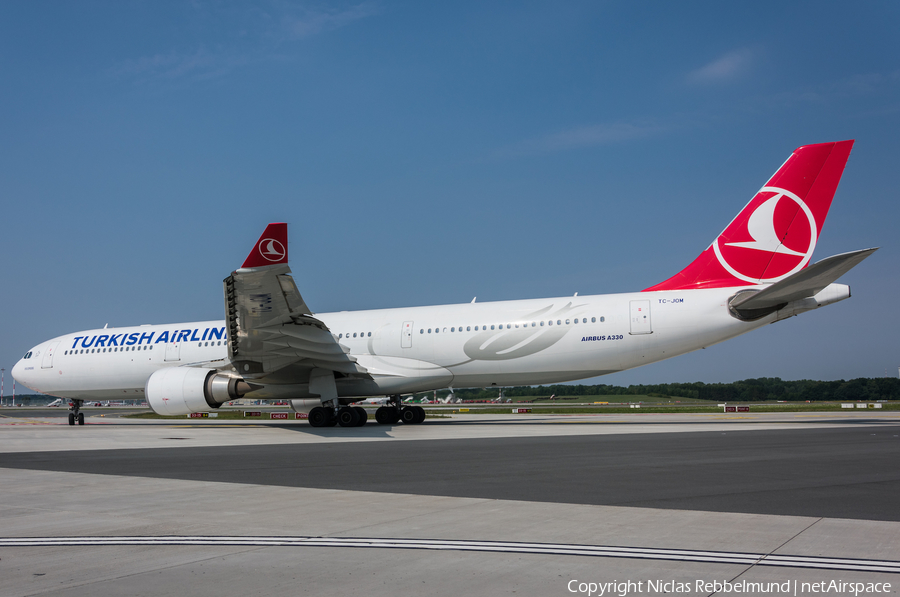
(304,405)
(183,390)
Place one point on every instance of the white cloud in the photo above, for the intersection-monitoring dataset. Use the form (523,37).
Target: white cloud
(724,68)
(313,22)
(576,138)
(259,35)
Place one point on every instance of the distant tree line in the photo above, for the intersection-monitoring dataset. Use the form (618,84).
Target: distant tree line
(748,390)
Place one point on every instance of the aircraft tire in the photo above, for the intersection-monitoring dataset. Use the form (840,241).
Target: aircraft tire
(71,419)
(81,418)
(384,415)
(318,417)
(348,417)
(363,415)
(421,414)
(409,415)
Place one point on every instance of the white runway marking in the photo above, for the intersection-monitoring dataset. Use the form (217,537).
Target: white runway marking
(756,559)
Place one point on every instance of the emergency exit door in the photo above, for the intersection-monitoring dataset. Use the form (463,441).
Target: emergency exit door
(640,318)
(406,335)
(47,363)
(173,351)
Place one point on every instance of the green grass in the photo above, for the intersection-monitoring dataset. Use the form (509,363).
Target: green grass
(756,407)
(619,399)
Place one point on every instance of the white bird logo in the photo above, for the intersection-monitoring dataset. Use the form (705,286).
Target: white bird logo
(271,249)
(761,226)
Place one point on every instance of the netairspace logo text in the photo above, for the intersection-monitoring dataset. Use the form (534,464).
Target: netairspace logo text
(788,587)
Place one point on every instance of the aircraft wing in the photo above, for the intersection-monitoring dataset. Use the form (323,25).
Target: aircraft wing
(803,284)
(270,327)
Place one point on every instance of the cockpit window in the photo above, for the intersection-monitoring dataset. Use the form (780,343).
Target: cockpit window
(27,355)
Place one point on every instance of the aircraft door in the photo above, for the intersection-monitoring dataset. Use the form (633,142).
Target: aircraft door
(47,363)
(640,317)
(173,351)
(406,336)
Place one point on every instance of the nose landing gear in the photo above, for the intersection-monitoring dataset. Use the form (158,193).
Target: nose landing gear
(75,413)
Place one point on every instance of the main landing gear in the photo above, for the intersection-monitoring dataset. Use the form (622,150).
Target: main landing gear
(394,413)
(75,413)
(356,416)
(346,416)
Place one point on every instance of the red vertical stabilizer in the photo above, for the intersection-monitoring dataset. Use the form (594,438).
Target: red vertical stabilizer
(775,235)
(271,248)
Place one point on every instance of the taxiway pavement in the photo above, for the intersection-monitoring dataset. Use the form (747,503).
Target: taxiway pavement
(477,505)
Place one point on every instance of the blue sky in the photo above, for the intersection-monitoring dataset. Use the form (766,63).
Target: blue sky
(426,153)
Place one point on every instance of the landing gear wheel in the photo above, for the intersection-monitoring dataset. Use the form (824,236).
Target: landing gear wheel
(348,417)
(318,417)
(81,418)
(386,415)
(421,414)
(409,415)
(71,418)
(363,415)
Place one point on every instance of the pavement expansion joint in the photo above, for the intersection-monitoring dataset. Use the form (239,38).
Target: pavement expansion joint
(599,551)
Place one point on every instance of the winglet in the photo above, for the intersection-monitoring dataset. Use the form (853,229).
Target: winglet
(271,248)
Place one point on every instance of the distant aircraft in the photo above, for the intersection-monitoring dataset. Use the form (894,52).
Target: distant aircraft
(272,346)
(450,399)
(57,402)
(380,400)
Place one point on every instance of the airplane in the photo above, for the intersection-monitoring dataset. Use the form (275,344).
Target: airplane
(380,401)
(57,402)
(450,398)
(272,346)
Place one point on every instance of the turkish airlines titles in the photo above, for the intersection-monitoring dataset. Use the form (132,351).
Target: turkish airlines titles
(110,340)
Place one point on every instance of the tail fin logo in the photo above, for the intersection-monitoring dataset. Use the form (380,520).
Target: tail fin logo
(776,240)
(271,249)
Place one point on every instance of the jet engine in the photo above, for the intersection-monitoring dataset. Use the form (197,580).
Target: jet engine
(183,390)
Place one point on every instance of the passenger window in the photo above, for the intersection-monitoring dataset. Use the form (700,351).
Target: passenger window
(593,320)
(421,330)
(602,319)
(468,329)
(558,322)
(567,322)
(492,327)
(575,320)
(550,322)
(429,330)
(370,334)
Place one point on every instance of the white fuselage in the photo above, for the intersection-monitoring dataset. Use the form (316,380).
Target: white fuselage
(522,342)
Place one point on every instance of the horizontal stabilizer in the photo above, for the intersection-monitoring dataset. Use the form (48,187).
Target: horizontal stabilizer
(805,283)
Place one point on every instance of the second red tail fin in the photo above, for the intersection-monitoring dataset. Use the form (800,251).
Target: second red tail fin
(775,235)
(271,248)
